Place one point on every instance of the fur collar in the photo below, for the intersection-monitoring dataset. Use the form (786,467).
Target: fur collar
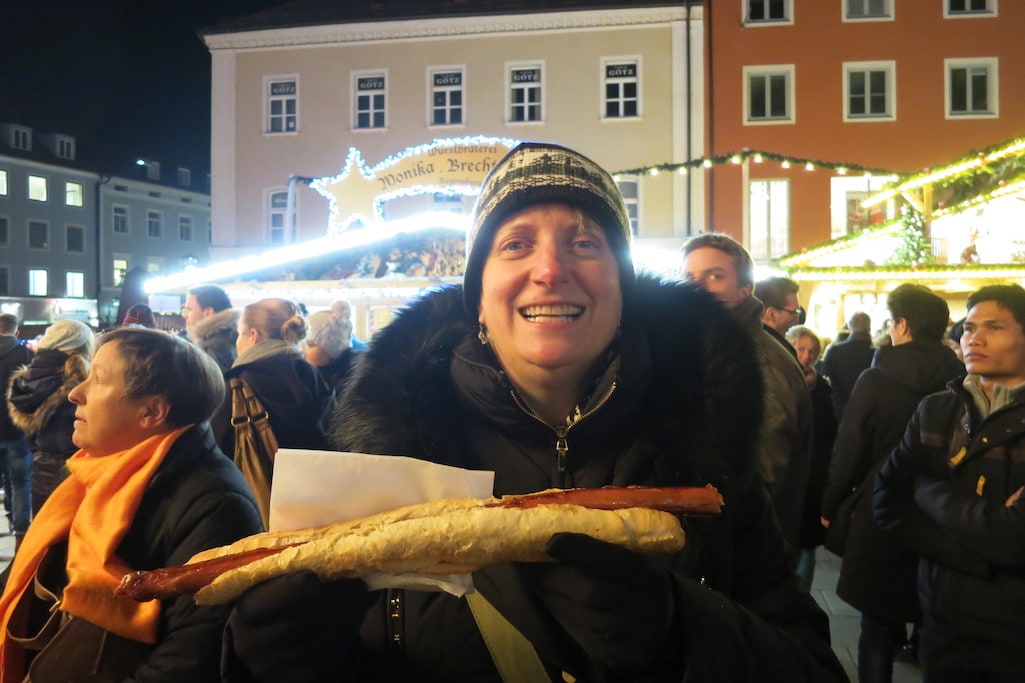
(704,391)
(76,369)
(221,323)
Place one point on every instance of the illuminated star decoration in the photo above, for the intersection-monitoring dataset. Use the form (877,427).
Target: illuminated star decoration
(454,166)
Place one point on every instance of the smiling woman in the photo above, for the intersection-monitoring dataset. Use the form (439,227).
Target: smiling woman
(556,366)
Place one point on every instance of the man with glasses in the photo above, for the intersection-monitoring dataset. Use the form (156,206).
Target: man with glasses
(720,265)
(779,296)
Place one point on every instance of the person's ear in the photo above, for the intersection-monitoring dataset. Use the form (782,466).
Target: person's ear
(154,411)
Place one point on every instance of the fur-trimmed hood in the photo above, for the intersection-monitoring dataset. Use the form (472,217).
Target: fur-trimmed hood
(222,323)
(695,368)
(37,390)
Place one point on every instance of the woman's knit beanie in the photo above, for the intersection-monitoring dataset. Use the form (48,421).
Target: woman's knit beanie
(534,173)
(67,336)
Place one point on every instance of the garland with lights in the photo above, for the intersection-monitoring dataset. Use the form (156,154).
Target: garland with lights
(756,156)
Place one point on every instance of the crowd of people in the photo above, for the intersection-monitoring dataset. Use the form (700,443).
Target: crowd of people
(554,365)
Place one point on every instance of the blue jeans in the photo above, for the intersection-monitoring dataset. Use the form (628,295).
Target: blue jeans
(18,485)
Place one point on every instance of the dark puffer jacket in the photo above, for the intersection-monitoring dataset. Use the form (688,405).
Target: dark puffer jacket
(685,408)
(877,575)
(38,405)
(944,490)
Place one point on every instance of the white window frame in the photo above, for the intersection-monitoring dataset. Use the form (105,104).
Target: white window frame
(185,226)
(269,117)
(38,188)
(3,182)
(159,215)
(990,11)
(784,246)
(992,66)
(38,281)
(28,234)
(789,71)
(67,238)
(511,67)
(620,81)
(786,20)
(74,284)
(21,138)
(127,214)
(273,211)
(633,204)
(74,194)
(447,90)
(184,176)
(888,13)
(865,68)
(356,76)
(118,268)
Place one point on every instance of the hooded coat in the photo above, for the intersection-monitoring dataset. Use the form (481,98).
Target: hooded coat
(216,335)
(39,406)
(877,576)
(679,403)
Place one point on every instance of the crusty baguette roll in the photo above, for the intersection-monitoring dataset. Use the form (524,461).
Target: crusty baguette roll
(463,536)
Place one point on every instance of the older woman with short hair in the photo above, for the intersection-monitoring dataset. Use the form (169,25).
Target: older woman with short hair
(148,488)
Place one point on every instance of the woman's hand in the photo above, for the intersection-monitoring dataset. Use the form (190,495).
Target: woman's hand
(612,601)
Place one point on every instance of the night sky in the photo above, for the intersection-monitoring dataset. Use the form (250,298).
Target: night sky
(127,78)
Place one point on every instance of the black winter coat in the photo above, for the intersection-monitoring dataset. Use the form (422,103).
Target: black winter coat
(196,500)
(824,425)
(39,406)
(292,391)
(685,409)
(843,363)
(13,355)
(877,575)
(943,490)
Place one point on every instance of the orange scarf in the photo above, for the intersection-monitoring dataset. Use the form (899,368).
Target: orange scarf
(93,509)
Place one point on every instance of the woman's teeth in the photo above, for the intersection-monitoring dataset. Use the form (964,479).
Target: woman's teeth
(556,313)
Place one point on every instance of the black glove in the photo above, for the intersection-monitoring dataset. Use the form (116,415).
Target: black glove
(294,628)
(610,600)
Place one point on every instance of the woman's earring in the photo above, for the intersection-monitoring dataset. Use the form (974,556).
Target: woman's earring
(482,334)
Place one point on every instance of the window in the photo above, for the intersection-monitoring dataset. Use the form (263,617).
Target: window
(5,230)
(37,188)
(153,221)
(121,220)
(769,96)
(120,268)
(21,138)
(152,169)
(73,194)
(621,78)
(37,282)
(65,147)
(847,215)
(446,88)
(447,202)
(76,239)
(3,182)
(276,218)
(870,89)
(38,235)
(185,228)
(526,91)
(153,266)
(630,190)
(282,105)
(5,281)
(370,100)
(868,9)
(971,86)
(768,11)
(74,283)
(956,8)
(770,218)
(184,176)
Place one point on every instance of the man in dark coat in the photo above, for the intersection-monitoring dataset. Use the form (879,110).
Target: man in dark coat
(846,360)
(877,575)
(14,452)
(212,324)
(953,490)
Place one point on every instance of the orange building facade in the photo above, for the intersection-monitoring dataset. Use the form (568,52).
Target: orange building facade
(890,85)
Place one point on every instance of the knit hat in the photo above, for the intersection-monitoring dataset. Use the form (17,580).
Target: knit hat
(67,336)
(140,315)
(330,332)
(534,173)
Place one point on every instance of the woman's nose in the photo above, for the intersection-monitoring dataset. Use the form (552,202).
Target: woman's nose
(549,265)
